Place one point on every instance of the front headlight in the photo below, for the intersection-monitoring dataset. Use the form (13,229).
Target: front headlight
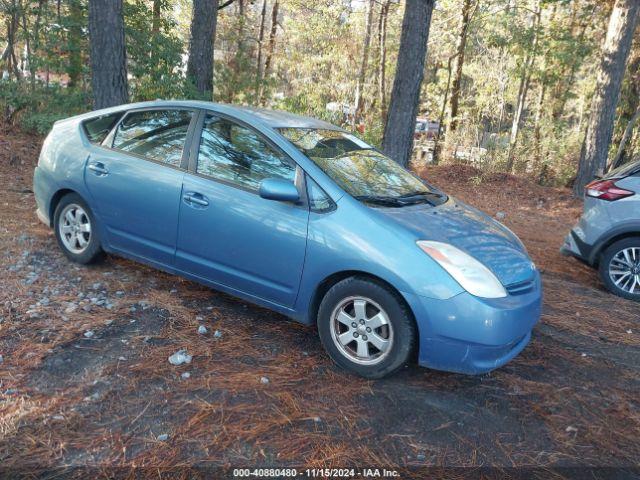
(472,275)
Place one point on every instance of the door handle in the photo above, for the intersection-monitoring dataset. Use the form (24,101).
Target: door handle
(198,199)
(98,168)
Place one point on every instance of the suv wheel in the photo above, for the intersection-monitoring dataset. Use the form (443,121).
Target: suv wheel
(76,231)
(366,327)
(620,268)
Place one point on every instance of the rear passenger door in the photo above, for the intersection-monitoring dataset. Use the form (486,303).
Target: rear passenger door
(135,181)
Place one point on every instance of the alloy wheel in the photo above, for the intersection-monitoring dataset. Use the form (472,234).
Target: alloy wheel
(74,227)
(624,270)
(361,330)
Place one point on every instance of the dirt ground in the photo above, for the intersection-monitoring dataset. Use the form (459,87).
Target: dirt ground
(261,391)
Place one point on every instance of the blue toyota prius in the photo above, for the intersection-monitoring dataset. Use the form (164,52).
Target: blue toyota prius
(297,215)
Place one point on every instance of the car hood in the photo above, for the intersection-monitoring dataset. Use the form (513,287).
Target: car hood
(472,231)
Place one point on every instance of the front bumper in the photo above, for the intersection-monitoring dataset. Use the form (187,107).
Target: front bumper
(472,335)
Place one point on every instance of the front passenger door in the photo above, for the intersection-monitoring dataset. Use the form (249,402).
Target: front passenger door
(227,233)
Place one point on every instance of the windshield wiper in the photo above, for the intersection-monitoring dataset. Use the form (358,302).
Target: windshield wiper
(421,193)
(382,200)
(432,198)
(392,201)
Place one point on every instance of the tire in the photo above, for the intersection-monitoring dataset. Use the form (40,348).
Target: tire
(367,305)
(76,230)
(614,265)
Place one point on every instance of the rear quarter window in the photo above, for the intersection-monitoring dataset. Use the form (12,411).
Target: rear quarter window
(97,129)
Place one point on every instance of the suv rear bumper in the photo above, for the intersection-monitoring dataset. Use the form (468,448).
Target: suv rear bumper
(573,246)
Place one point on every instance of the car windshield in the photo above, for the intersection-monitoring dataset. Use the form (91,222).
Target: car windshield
(361,170)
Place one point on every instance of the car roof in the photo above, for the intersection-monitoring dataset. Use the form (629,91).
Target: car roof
(273,118)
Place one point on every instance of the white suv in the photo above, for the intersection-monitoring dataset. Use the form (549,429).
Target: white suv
(607,235)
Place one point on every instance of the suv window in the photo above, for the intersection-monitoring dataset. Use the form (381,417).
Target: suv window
(239,155)
(626,170)
(155,134)
(98,128)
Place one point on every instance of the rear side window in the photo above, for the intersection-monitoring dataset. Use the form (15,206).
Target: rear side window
(98,128)
(158,135)
(236,154)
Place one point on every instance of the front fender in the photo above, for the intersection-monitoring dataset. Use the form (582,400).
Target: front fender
(354,238)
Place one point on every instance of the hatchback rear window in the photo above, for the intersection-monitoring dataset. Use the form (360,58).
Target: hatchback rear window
(98,128)
(626,170)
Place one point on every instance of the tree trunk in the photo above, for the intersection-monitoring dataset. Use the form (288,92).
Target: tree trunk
(270,47)
(9,54)
(238,61)
(108,53)
(537,137)
(618,159)
(437,144)
(628,115)
(523,90)
(382,59)
(461,43)
(202,38)
(405,96)
(157,11)
(359,102)
(595,148)
(32,39)
(563,87)
(74,42)
(27,40)
(259,71)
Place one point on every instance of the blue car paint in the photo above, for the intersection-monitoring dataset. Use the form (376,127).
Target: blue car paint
(252,244)
(142,221)
(276,254)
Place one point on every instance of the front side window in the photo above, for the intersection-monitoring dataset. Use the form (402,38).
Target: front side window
(236,154)
(319,201)
(158,135)
(361,170)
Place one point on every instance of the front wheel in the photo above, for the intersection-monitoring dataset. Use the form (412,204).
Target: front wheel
(620,268)
(366,327)
(76,230)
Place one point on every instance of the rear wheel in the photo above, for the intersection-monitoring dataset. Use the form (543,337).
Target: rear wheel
(76,231)
(366,327)
(620,268)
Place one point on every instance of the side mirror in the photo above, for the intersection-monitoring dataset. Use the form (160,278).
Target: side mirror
(279,189)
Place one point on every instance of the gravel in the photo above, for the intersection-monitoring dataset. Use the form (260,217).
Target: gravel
(180,357)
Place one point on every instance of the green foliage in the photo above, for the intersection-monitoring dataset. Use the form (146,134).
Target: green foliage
(37,109)
(316,59)
(154,55)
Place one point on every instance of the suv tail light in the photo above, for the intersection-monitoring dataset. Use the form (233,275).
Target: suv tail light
(607,190)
